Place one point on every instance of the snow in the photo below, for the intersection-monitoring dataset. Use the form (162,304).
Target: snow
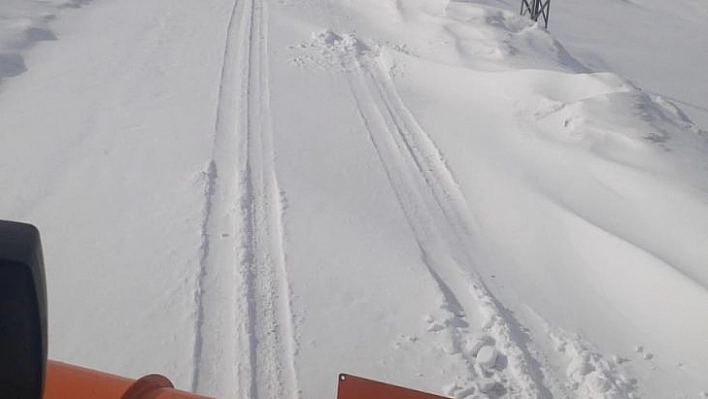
(487,357)
(251,197)
(667,42)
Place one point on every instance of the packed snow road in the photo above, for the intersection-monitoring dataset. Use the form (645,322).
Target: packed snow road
(252,196)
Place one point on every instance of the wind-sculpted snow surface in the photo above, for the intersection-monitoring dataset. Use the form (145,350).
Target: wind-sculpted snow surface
(525,137)
(432,193)
(23,23)
(633,40)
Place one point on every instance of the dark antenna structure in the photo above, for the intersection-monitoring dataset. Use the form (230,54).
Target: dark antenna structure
(535,9)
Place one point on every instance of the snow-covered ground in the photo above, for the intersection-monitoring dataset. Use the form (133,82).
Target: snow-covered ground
(252,196)
(659,45)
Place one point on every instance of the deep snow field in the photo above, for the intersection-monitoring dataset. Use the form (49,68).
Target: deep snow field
(252,196)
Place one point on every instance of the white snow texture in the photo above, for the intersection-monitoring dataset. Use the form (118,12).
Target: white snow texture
(252,196)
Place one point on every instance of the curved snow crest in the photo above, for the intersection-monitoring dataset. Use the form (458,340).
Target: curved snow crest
(626,126)
(620,107)
(24,23)
(490,38)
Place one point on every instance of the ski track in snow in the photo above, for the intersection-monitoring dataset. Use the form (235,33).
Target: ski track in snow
(439,218)
(244,334)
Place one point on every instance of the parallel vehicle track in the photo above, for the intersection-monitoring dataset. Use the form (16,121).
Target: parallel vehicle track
(244,343)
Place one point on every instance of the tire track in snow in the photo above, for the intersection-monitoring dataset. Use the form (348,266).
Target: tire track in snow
(244,336)
(440,220)
(270,323)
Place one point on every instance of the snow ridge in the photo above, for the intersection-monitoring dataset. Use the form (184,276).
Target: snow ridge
(209,190)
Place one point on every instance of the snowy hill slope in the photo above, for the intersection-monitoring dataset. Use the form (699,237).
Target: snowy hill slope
(659,45)
(252,196)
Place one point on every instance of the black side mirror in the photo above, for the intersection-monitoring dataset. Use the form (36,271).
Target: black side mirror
(23,312)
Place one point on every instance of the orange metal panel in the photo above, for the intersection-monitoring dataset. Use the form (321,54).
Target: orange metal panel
(351,387)
(66,381)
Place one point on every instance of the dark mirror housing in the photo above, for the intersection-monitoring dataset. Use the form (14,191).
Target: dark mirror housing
(23,312)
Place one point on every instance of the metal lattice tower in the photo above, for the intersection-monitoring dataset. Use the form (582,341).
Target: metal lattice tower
(536,9)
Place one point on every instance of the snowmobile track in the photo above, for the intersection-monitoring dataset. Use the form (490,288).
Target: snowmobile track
(244,335)
(270,320)
(440,220)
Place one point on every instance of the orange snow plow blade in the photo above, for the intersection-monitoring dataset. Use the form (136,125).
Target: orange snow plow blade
(351,387)
(68,381)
